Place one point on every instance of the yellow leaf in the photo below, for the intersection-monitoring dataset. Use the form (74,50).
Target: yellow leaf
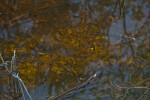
(129,62)
(82,21)
(97,37)
(69,31)
(111,17)
(62,62)
(103,37)
(54,69)
(94,27)
(73,41)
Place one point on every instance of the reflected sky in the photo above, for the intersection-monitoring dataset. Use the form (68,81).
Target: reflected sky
(60,43)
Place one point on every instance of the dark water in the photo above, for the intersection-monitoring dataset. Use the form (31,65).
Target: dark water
(60,43)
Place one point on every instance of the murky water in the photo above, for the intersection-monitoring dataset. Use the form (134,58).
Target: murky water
(61,43)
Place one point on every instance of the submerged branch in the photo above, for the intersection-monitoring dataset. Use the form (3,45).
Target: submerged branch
(61,96)
(74,89)
(120,86)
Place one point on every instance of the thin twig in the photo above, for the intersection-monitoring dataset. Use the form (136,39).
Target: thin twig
(125,94)
(111,83)
(19,79)
(15,75)
(127,88)
(8,86)
(135,87)
(21,89)
(143,94)
(74,88)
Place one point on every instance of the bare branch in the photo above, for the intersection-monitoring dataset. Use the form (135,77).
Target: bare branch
(143,94)
(125,94)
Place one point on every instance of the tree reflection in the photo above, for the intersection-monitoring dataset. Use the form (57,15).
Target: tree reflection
(55,40)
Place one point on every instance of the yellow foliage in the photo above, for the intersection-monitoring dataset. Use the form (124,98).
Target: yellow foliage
(73,41)
(92,49)
(93,26)
(130,61)
(98,37)
(70,51)
(111,17)
(62,62)
(69,31)
(54,69)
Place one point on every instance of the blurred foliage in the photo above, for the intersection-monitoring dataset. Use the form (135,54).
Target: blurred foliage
(56,39)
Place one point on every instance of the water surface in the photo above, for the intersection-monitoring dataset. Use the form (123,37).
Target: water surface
(60,43)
